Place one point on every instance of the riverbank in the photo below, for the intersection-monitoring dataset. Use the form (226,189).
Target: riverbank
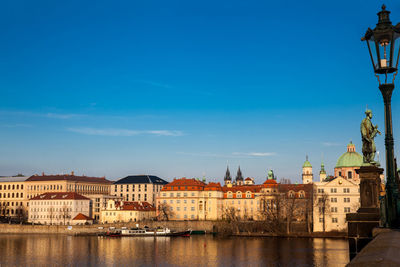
(219,227)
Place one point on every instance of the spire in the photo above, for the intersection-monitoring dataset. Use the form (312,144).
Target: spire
(227,174)
(322,167)
(239,176)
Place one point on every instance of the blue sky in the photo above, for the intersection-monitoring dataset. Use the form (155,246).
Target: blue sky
(180,88)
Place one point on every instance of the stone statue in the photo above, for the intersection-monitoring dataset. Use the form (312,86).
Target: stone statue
(368,133)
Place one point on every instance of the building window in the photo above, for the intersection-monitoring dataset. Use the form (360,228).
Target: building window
(192,201)
(333,209)
(178,201)
(184,201)
(346,190)
(333,199)
(171,194)
(320,190)
(192,208)
(334,220)
(346,210)
(340,174)
(349,175)
(333,190)
(145,187)
(192,194)
(346,199)
(164,194)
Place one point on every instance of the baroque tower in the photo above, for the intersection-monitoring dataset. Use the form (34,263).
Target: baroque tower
(307,172)
(322,173)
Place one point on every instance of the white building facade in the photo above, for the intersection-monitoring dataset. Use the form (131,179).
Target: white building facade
(58,208)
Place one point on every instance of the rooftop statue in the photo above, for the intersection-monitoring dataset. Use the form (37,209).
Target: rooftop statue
(368,133)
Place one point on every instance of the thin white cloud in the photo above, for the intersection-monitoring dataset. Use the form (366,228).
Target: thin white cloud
(156,84)
(62,116)
(330,144)
(123,132)
(22,125)
(233,155)
(255,154)
(44,115)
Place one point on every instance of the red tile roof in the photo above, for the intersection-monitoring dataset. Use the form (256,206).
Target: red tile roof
(184,184)
(270,181)
(243,188)
(213,187)
(135,205)
(248,179)
(81,217)
(68,177)
(60,196)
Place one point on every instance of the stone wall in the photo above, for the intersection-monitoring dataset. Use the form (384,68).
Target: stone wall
(93,229)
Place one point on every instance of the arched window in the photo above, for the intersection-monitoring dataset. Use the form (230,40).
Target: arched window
(291,194)
(238,194)
(350,175)
(302,194)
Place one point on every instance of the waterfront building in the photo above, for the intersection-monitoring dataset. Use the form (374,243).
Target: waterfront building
(347,164)
(138,188)
(82,219)
(39,184)
(58,208)
(127,211)
(95,188)
(333,199)
(191,199)
(13,197)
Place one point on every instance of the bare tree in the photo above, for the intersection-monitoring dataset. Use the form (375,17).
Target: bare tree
(165,212)
(270,211)
(65,213)
(323,205)
(230,214)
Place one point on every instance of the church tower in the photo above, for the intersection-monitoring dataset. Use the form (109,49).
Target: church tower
(322,173)
(228,178)
(307,172)
(239,177)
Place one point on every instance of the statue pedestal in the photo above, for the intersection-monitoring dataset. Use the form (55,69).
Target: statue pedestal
(360,224)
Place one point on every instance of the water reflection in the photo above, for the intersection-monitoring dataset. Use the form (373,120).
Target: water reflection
(52,250)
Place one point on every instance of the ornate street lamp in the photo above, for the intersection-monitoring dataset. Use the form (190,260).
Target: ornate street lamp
(383,45)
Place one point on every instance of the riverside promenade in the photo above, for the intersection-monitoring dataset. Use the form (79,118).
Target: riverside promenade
(383,250)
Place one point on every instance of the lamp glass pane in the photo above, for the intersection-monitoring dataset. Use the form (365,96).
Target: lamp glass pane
(372,51)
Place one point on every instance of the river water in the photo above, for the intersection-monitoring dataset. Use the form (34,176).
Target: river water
(60,250)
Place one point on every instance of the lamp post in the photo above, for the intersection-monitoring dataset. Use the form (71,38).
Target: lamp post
(383,46)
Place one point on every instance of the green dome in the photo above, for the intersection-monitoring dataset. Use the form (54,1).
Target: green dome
(349,159)
(307,163)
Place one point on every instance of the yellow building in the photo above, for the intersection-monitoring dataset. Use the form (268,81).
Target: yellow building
(13,197)
(127,211)
(191,199)
(333,200)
